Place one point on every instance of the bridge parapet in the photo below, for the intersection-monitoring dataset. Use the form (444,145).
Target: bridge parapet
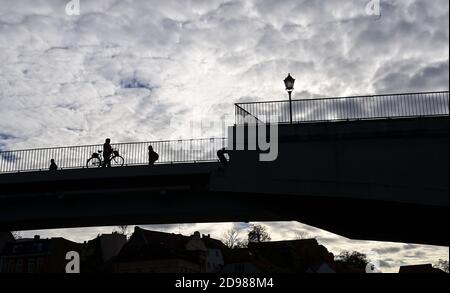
(423,104)
(136,153)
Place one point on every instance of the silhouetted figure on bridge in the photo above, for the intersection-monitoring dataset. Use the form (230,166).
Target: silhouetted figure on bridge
(53,166)
(107,152)
(221,154)
(152,156)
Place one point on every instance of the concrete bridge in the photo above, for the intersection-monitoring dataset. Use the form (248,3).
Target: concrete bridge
(374,179)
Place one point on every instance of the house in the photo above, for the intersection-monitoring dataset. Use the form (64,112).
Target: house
(243,261)
(296,256)
(215,254)
(159,252)
(37,255)
(5,237)
(99,254)
(420,269)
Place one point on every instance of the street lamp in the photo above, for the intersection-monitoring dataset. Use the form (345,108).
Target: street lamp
(289,83)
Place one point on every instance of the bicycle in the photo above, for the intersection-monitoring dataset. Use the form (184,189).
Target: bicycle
(95,161)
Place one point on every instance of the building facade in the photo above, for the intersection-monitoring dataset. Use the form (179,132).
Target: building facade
(159,252)
(37,255)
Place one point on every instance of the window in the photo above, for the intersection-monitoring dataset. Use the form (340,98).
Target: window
(37,247)
(19,266)
(40,265)
(31,265)
(17,248)
(11,266)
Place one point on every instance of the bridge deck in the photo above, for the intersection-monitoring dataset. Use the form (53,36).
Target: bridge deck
(159,177)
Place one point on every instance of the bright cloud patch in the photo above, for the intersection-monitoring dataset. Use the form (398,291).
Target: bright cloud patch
(124,69)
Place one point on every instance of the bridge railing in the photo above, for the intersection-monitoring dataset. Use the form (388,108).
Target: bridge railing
(75,157)
(345,108)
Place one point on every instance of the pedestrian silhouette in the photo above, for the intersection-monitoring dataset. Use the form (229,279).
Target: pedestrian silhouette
(152,156)
(53,166)
(221,154)
(107,152)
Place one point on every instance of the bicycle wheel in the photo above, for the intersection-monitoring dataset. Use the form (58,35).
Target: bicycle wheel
(117,161)
(93,163)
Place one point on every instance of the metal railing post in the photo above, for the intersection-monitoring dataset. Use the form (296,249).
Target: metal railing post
(290,107)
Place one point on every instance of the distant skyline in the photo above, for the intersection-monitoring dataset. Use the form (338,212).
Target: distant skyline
(391,255)
(125,69)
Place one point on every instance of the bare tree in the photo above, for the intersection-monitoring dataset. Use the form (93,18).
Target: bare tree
(258,233)
(443,265)
(123,229)
(241,244)
(231,238)
(300,235)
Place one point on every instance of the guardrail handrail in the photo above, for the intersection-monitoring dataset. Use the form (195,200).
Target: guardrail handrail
(346,108)
(134,153)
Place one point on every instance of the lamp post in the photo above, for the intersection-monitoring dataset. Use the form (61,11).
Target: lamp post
(289,83)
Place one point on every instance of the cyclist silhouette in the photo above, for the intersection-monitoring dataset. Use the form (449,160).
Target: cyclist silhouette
(107,152)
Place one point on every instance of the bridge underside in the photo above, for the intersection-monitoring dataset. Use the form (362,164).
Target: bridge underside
(171,198)
(384,180)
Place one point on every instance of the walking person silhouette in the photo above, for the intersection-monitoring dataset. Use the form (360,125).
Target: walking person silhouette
(152,156)
(107,152)
(53,166)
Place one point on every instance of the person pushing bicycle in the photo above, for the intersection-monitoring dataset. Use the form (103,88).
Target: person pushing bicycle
(107,152)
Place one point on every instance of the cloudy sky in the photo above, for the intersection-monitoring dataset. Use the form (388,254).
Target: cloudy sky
(124,69)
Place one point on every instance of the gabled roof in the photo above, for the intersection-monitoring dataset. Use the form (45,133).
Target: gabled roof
(7,235)
(34,245)
(213,243)
(297,255)
(176,241)
(152,245)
